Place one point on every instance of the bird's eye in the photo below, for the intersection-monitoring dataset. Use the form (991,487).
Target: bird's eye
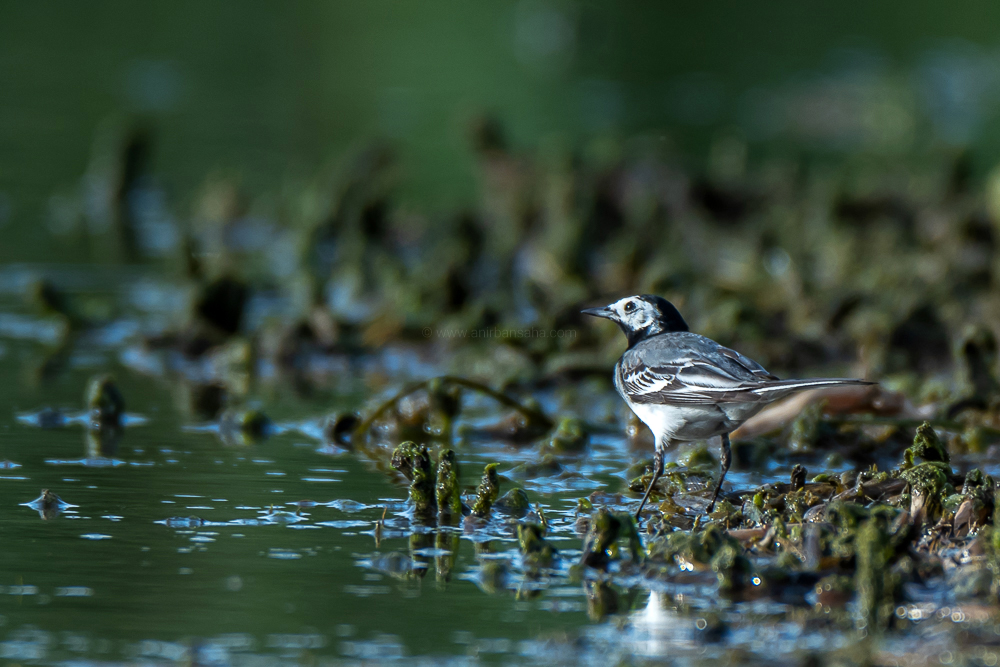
(629,307)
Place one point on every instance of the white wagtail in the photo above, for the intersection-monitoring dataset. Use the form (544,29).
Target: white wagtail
(686,387)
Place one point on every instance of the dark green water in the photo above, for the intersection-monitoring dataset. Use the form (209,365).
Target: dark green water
(180,547)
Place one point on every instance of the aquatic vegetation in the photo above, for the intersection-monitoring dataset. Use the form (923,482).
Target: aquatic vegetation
(536,551)
(414,463)
(244,426)
(434,415)
(514,503)
(570,436)
(447,490)
(105,402)
(337,321)
(600,546)
(488,491)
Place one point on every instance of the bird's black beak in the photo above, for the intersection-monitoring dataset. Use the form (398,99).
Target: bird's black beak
(603,311)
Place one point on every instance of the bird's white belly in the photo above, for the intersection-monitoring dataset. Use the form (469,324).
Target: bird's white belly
(687,423)
(668,422)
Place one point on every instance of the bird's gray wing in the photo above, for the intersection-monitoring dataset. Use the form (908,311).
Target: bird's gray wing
(688,369)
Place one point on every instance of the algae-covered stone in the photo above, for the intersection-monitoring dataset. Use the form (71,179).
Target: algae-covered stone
(104,401)
(447,490)
(798,477)
(570,437)
(403,458)
(244,426)
(221,304)
(537,552)
(514,502)
(707,549)
(699,457)
(927,446)
(413,461)
(600,545)
(807,427)
(973,506)
(339,428)
(929,487)
(489,489)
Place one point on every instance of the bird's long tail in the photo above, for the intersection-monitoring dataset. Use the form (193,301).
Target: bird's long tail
(779,388)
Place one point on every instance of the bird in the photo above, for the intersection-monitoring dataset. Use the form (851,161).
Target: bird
(687,387)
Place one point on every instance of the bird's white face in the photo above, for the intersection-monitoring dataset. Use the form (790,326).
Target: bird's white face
(635,314)
(641,316)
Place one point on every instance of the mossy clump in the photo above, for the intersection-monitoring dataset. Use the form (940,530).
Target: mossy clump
(927,446)
(699,457)
(973,506)
(489,489)
(244,426)
(414,463)
(600,546)
(797,479)
(536,551)
(447,490)
(990,540)
(807,428)
(928,489)
(104,401)
(708,549)
(570,437)
(515,503)
(220,304)
(340,427)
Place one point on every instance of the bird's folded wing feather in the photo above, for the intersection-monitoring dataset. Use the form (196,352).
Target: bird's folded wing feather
(692,377)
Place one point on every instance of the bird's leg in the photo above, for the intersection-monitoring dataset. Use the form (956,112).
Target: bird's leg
(727,458)
(657,471)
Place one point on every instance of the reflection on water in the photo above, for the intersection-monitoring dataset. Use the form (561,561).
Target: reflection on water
(221,535)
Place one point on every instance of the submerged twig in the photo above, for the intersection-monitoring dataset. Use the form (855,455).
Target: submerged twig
(533,415)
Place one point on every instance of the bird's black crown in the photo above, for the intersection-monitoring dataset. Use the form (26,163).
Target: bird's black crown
(642,316)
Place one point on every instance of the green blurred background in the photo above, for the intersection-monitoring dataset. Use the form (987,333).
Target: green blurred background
(272,92)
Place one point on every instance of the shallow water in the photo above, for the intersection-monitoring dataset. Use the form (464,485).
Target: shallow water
(177,546)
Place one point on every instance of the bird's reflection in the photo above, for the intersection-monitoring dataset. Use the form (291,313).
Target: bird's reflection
(658,629)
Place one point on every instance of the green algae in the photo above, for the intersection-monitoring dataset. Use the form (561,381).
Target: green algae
(600,546)
(105,401)
(244,426)
(927,446)
(570,437)
(514,503)
(447,490)
(807,428)
(414,463)
(707,549)
(486,494)
(928,489)
(698,459)
(444,404)
(535,550)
